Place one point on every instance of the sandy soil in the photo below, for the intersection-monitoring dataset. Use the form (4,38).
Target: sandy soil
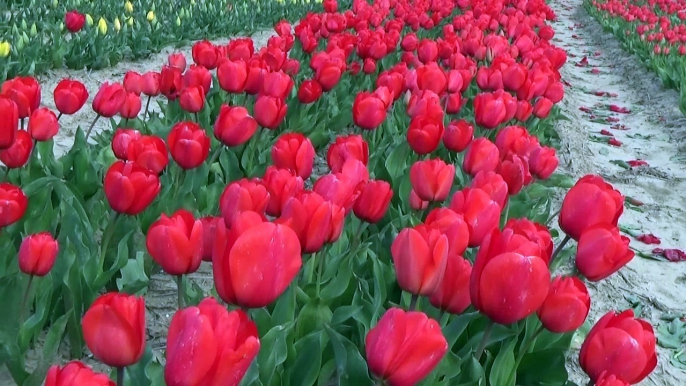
(656,132)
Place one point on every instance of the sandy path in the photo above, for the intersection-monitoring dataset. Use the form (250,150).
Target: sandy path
(93,80)
(656,132)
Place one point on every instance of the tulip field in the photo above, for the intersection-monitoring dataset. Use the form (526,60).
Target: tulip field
(655,31)
(375,196)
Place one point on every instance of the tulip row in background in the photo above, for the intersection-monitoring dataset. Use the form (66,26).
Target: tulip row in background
(39,35)
(369,173)
(654,30)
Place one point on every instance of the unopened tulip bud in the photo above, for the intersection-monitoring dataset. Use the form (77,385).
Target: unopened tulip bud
(102,26)
(89,19)
(5,48)
(117,25)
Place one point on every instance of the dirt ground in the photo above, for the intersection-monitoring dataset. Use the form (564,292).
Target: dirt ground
(656,133)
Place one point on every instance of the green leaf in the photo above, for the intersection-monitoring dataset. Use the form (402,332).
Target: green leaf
(545,367)
(50,347)
(133,279)
(503,365)
(305,370)
(337,286)
(273,351)
(397,161)
(351,367)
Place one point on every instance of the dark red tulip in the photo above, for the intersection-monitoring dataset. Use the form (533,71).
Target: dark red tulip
(43,124)
(294,151)
(188,144)
(404,347)
(74,21)
(602,251)
(282,184)
(591,201)
(372,203)
(432,179)
(37,254)
(268,248)
(619,345)
(309,92)
(234,125)
(76,373)
(170,82)
(130,188)
(18,154)
(70,96)
(209,345)
(150,152)
(241,196)
(120,318)
(176,243)
(452,295)
(270,111)
(131,106)
(109,99)
(121,140)
(25,92)
(205,54)
(567,305)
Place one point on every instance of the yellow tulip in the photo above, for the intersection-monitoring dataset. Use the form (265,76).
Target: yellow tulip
(128,7)
(102,26)
(151,16)
(5,48)
(117,24)
(89,19)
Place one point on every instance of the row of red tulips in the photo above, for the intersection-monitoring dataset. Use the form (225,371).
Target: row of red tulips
(459,105)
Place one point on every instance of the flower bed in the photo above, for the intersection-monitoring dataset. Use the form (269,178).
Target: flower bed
(653,30)
(372,190)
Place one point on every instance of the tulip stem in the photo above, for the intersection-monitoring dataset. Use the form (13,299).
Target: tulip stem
(559,249)
(413,302)
(179,285)
(506,213)
(147,106)
(59,116)
(215,154)
(22,123)
(88,133)
(197,118)
(484,340)
(107,237)
(120,376)
(5,174)
(526,346)
(320,268)
(22,310)
(590,383)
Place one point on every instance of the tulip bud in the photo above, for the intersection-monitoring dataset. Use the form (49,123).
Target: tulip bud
(75,371)
(37,254)
(102,26)
(33,31)
(176,243)
(117,24)
(567,305)
(150,16)
(5,49)
(420,256)
(128,7)
(89,19)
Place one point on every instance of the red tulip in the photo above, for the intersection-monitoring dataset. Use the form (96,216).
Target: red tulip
(610,380)
(509,287)
(37,254)
(294,151)
(205,54)
(493,184)
(119,318)
(188,144)
(150,152)
(420,255)
(489,110)
(131,106)
(369,66)
(431,77)
(255,80)
(209,230)
(130,188)
(372,203)
(591,201)
(330,6)
(176,243)
(25,92)
(482,155)
(432,179)
(109,99)
(427,51)
(121,140)
(369,110)
(524,111)
(458,135)
(271,249)
(76,373)
(309,92)
(619,345)
(311,218)
(43,124)
(567,305)
(452,294)
(424,134)
(241,49)
(282,184)
(192,99)
(19,153)
(151,83)
(9,122)
(542,107)
(170,82)
(347,147)
(270,111)
(197,76)
(480,211)
(74,21)
(534,232)
(133,82)
(342,188)
(234,125)
(417,203)
(328,75)
(410,42)
(277,85)
(515,172)
(232,76)
(177,60)
(453,226)
(543,162)
(241,196)
(208,345)
(404,347)
(602,251)
(70,96)
(13,203)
